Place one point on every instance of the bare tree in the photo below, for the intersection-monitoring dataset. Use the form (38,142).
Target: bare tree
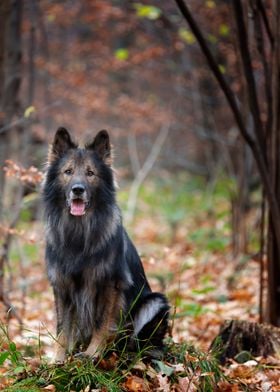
(264,138)
(10,77)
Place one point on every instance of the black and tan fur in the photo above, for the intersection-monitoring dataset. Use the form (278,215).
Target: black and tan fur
(96,274)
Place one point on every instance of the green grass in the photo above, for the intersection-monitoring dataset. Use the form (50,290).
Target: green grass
(111,370)
(27,385)
(30,251)
(203,208)
(78,374)
(186,201)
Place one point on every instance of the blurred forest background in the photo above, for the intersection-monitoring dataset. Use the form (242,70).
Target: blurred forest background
(187,161)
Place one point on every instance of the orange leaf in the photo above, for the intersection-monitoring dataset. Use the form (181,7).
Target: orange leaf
(50,388)
(110,363)
(241,295)
(136,384)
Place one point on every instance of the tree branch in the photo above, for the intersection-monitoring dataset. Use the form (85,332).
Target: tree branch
(215,69)
(265,21)
(266,69)
(249,74)
(143,172)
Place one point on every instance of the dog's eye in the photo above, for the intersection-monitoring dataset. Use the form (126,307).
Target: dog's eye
(90,173)
(68,172)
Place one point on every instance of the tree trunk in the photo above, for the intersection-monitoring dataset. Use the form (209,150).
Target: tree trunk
(10,69)
(4,12)
(10,76)
(273,303)
(237,336)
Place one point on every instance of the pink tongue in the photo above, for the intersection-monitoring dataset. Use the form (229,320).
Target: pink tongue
(77,207)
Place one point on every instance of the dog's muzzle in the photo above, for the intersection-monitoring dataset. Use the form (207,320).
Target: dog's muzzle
(78,200)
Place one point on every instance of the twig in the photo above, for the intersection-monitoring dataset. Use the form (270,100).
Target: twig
(133,154)
(22,263)
(31,53)
(23,120)
(144,171)
(266,69)
(265,21)
(262,252)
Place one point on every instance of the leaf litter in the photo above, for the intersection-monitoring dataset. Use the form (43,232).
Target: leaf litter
(204,288)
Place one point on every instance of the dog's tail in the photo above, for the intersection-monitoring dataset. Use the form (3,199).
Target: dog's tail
(150,322)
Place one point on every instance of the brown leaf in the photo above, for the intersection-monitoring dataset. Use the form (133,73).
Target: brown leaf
(50,388)
(110,363)
(136,384)
(163,383)
(227,387)
(191,358)
(241,295)
(140,367)
(34,363)
(185,384)
(151,372)
(243,371)
(273,375)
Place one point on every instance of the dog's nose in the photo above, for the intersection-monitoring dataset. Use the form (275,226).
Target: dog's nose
(78,189)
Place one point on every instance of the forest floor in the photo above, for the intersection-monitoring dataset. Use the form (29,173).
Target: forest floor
(190,259)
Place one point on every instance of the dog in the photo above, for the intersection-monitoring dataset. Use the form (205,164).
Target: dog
(96,274)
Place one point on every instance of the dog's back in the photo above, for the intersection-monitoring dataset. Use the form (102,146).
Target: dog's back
(97,276)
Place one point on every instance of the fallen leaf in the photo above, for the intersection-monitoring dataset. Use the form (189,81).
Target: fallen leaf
(243,371)
(227,387)
(136,384)
(151,372)
(50,388)
(179,368)
(163,383)
(34,363)
(250,363)
(185,384)
(110,363)
(266,386)
(241,295)
(164,368)
(190,358)
(140,366)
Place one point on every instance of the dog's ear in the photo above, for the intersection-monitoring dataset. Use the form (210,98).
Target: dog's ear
(102,146)
(61,144)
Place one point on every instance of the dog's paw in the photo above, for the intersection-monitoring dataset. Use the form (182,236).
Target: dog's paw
(58,360)
(80,355)
(85,355)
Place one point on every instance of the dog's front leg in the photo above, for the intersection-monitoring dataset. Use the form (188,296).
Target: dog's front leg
(97,343)
(61,341)
(100,336)
(60,350)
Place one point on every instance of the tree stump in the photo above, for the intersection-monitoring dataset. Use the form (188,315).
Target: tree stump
(236,336)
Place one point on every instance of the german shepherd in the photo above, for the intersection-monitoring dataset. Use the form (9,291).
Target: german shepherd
(97,276)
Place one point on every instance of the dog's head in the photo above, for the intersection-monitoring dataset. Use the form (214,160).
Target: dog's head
(80,175)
